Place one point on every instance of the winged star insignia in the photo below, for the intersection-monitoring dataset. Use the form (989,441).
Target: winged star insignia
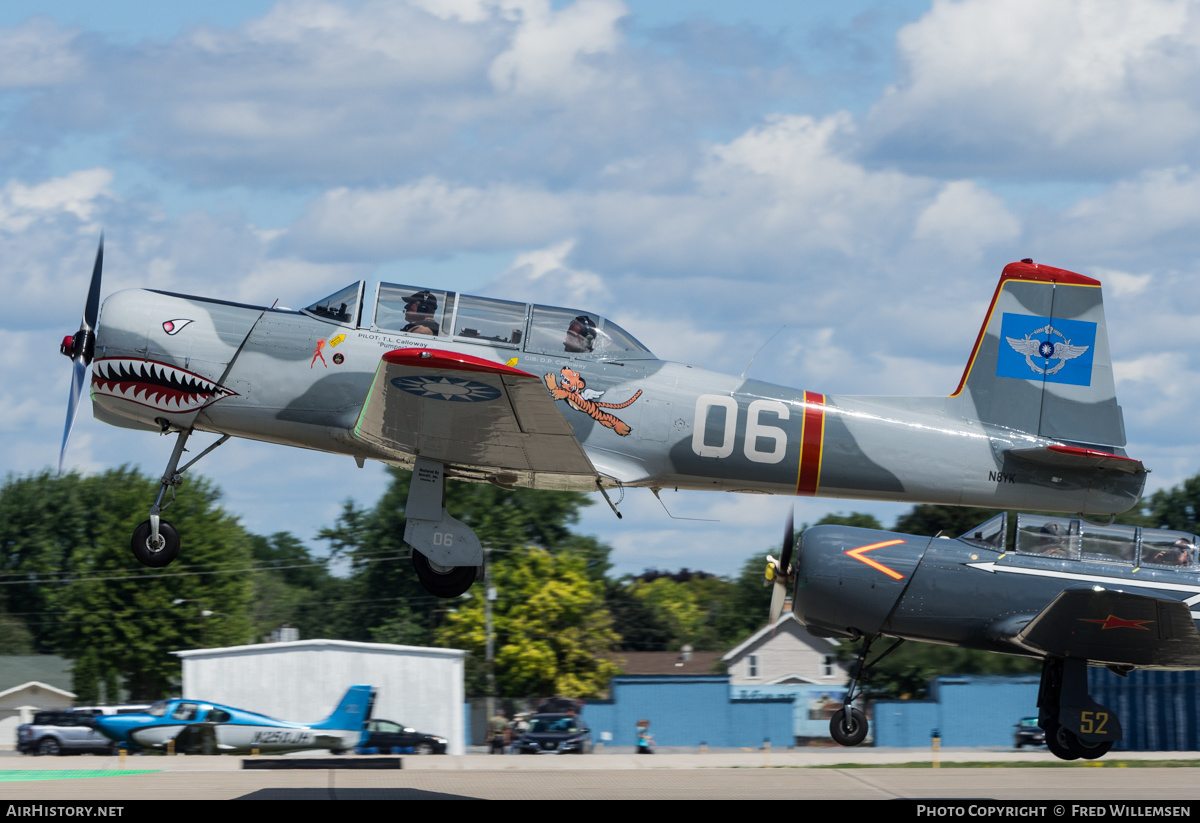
(1047,349)
(446,388)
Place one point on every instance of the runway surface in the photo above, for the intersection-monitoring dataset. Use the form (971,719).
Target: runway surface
(714,776)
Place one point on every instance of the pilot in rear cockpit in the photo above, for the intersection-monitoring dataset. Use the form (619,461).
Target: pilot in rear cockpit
(418,312)
(581,335)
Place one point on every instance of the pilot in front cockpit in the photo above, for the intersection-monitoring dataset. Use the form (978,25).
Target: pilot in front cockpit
(418,312)
(581,335)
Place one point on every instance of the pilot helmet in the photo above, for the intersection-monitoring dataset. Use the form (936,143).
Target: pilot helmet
(584,328)
(425,302)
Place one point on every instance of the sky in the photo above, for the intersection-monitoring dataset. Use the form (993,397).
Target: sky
(835,186)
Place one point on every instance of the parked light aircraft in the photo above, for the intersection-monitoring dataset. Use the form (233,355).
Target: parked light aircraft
(197,727)
(1065,590)
(497,391)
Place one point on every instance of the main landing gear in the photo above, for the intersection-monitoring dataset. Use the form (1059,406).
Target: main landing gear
(848,726)
(155,542)
(1076,726)
(447,555)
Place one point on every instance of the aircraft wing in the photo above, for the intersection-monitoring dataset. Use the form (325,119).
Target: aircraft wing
(467,411)
(1121,627)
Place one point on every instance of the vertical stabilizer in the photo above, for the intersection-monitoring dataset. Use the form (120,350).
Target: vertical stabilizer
(352,712)
(1041,363)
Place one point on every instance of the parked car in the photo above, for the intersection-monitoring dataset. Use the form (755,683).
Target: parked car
(387,736)
(61,732)
(1028,733)
(554,734)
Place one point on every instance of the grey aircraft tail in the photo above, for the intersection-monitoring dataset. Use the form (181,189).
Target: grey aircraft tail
(1041,364)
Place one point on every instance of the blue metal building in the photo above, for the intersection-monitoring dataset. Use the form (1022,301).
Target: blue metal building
(974,710)
(1158,710)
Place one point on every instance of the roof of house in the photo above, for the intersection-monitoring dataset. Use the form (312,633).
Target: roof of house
(50,669)
(787,622)
(675,662)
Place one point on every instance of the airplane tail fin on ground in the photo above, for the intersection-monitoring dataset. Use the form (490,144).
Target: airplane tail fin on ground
(1041,363)
(352,712)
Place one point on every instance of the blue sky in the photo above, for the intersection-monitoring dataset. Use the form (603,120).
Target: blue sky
(858,173)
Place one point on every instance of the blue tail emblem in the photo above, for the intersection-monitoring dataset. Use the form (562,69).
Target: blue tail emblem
(1043,348)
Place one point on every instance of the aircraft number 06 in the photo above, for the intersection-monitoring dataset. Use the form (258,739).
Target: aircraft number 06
(443,538)
(756,430)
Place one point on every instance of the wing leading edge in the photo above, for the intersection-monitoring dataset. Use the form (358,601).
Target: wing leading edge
(465,411)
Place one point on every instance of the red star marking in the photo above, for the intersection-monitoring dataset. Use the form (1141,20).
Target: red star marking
(858,553)
(1113,622)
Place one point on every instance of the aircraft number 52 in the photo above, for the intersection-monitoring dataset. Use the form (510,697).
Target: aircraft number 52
(1093,722)
(756,430)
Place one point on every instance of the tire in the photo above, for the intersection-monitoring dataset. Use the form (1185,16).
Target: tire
(1058,741)
(850,734)
(423,748)
(442,581)
(49,747)
(155,556)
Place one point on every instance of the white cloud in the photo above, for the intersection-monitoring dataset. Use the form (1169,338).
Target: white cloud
(1022,86)
(964,218)
(549,49)
(38,53)
(75,194)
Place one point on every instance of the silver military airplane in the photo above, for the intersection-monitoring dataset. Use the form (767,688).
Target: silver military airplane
(496,391)
(1068,591)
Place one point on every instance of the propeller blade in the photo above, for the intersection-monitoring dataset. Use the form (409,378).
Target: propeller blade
(778,595)
(91,309)
(81,349)
(78,375)
(789,543)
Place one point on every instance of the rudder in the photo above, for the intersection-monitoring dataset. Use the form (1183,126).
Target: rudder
(352,712)
(1041,363)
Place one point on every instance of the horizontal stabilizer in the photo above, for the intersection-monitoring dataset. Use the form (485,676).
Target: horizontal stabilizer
(1079,458)
(1115,627)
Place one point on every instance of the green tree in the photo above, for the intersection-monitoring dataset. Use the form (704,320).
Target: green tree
(68,545)
(1177,508)
(553,634)
(391,602)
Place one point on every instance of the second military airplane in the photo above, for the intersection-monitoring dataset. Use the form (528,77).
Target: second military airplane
(495,391)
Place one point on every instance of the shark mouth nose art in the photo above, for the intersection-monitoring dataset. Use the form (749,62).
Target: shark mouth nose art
(153,384)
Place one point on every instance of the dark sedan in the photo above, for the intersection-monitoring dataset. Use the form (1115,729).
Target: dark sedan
(1028,733)
(554,734)
(386,737)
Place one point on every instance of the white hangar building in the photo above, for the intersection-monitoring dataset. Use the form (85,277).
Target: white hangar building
(304,680)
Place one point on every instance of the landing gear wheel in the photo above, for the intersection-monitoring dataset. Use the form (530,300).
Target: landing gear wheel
(149,553)
(442,581)
(1059,741)
(1081,748)
(848,733)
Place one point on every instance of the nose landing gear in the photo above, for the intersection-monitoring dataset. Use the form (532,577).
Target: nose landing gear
(155,542)
(849,726)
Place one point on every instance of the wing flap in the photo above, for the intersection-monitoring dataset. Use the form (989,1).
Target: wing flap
(464,410)
(1118,627)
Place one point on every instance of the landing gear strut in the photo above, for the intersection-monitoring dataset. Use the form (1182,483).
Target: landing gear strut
(1076,726)
(447,555)
(155,542)
(848,726)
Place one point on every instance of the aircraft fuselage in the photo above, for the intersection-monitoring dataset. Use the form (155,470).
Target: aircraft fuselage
(167,361)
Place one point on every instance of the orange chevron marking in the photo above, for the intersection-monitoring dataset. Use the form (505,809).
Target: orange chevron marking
(858,553)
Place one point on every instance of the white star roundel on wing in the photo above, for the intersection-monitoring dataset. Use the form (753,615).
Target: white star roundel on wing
(455,389)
